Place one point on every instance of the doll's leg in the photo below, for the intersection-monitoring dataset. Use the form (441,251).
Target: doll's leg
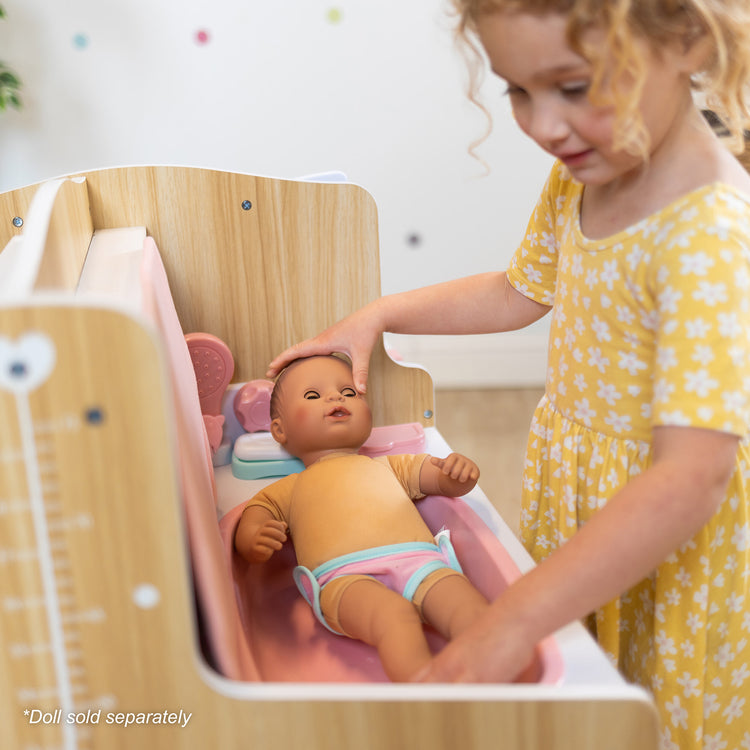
(452,604)
(371,612)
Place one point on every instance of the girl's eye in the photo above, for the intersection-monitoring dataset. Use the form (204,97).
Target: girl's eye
(309,395)
(349,392)
(576,89)
(514,91)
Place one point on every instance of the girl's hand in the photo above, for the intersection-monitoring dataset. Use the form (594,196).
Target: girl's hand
(486,652)
(355,336)
(457,467)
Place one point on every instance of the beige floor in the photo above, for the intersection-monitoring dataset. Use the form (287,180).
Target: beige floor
(491,427)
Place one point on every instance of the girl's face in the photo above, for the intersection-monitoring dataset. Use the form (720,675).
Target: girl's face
(548,86)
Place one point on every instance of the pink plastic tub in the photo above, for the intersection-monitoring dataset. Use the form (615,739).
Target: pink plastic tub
(288,644)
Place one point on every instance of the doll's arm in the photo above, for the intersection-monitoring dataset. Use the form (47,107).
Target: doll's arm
(259,534)
(453,476)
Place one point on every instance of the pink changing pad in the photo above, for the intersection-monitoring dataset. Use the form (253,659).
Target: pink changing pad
(289,645)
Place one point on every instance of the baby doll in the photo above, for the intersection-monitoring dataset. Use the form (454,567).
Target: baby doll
(368,564)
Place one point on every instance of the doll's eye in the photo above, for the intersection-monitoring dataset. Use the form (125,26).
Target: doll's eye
(309,395)
(349,392)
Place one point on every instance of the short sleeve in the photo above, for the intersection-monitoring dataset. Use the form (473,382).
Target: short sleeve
(275,497)
(700,279)
(407,469)
(533,268)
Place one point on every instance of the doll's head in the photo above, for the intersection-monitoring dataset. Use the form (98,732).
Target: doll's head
(316,410)
(722,27)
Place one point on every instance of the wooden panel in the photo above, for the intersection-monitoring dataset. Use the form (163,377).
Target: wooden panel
(68,238)
(97,465)
(300,257)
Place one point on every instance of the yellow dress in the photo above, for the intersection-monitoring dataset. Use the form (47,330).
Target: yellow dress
(650,327)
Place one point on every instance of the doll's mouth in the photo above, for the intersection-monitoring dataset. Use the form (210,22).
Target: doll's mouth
(339,411)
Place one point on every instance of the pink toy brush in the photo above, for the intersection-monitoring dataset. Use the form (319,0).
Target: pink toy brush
(214,366)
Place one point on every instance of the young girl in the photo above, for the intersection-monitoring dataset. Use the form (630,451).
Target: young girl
(635,492)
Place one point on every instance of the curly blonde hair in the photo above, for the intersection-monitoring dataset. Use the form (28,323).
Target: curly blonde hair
(725,81)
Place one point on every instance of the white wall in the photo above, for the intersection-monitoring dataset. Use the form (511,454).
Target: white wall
(289,88)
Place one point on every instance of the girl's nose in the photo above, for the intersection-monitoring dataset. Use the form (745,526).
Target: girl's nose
(546,124)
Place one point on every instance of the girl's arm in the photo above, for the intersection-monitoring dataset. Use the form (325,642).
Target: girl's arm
(486,303)
(651,517)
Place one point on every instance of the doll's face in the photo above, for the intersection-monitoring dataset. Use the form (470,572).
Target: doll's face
(319,410)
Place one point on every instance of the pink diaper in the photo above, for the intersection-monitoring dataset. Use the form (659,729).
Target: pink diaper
(400,567)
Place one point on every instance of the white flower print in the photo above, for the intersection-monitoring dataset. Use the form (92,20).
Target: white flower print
(663,232)
(666,358)
(735,602)
(700,597)
(584,412)
(741,537)
(610,274)
(696,263)
(684,578)
(703,354)
(711,294)
(630,362)
(663,390)
(532,274)
(688,649)
(677,713)
(700,383)
(729,325)
(597,359)
(710,704)
(601,329)
(669,298)
(682,239)
(689,685)
(549,241)
(608,392)
(635,256)
(734,709)
(723,655)
(592,278)
(650,321)
(618,422)
(664,644)
(739,675)
(720,228)
(714,742)
(734,401)
(576,268)
(625,315)
(697,328)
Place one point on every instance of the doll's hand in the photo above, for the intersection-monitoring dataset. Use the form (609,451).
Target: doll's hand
(265,539)
(458,467)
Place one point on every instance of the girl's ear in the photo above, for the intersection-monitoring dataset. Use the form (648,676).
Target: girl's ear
(697,48)
(277,431)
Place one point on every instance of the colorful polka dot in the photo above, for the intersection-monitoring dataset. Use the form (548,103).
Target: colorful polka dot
(80,41)
(334,15)
(202,36)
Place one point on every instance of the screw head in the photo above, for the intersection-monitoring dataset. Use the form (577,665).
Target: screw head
(17,221)
(246,205)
